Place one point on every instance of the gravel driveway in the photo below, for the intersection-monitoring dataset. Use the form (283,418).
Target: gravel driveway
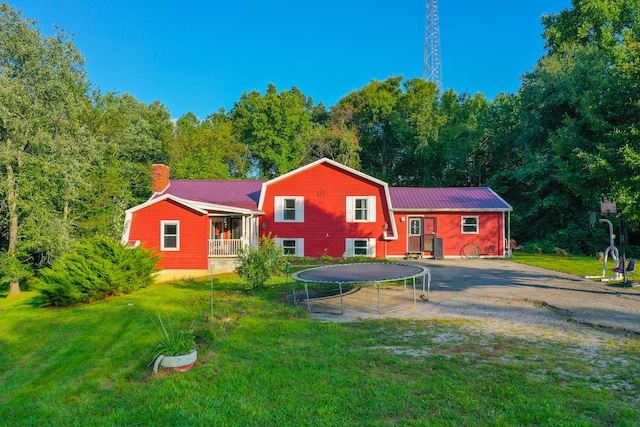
(505,295)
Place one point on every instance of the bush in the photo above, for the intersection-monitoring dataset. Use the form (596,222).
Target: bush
(95,269)
(257,265)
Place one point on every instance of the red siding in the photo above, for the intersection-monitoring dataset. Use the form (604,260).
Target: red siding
(491,232)
(194,232)
(325,230)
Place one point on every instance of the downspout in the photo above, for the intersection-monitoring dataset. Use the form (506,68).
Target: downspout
(508,248)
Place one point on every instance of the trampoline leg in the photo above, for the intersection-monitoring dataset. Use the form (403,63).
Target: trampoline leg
(428,284)
(379,310)
(414,291)
(306,290)
(293,289)
(341,300)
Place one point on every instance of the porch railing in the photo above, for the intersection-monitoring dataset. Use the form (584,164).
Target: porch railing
(225,247)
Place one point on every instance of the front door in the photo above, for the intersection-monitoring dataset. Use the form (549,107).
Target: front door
(429,228)
(421,233)
(415,235)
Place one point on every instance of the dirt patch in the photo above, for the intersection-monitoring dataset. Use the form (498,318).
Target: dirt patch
(506,297)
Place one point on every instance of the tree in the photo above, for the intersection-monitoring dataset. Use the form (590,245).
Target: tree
(333,138)
(275,128)
(43,147)
(131,136)
(451,159)
(381,130)
(575,123)
(591,78)
(206,150)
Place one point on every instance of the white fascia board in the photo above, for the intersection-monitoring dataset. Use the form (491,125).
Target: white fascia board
(222,208)
(187,203)
(313,164)
(127,227)
(502,200)
(394,231)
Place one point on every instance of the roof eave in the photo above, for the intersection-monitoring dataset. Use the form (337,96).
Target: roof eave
(417,210)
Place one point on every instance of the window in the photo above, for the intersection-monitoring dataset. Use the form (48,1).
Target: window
(470,225)
(289,246)
(360,247)
(289,209)
(170,235)
(415,226)
(293,247)
(361,208)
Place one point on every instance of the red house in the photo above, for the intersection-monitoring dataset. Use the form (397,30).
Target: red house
(323,208)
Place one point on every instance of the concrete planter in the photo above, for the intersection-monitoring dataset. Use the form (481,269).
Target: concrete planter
(180,363)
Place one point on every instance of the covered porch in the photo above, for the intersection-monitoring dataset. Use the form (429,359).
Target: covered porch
(230,232)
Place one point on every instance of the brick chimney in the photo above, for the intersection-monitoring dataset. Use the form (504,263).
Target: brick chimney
(159,178)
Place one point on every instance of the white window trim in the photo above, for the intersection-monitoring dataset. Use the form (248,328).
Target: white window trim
(350,247)
(462,224)
(299,245)
(278,202)
(351,208)
(162,235)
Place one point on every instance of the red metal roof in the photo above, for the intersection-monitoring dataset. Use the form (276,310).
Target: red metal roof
(246,194)
(241,194)
(456,198)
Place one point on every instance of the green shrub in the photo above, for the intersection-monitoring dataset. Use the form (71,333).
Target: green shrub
(326,258)
(95,269)
(257,265)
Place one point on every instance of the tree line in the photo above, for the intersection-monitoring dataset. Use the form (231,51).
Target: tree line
(72,158)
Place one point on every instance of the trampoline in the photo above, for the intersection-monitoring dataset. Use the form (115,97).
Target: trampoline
(338,280)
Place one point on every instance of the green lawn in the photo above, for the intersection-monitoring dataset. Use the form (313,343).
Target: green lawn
(264,363)
(577,265)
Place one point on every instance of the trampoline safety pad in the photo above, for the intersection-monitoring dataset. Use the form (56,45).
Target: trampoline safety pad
(346,277)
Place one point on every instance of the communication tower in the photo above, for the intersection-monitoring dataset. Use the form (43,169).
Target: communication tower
(432,64)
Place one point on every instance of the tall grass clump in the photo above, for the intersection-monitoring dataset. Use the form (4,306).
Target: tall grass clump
(95,269)
(173,342)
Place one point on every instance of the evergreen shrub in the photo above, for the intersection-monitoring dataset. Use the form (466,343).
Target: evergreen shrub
(95,269)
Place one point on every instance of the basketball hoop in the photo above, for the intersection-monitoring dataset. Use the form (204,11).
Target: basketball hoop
(608,207)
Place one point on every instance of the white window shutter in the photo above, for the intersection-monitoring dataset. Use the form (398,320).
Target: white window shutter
(300,209)
(300,247)
(372,208)
(371,248)
(349,248)
(277,241)
(350,207)
(277,209)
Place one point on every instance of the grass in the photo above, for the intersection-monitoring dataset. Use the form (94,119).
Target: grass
(264,363)
(577,265)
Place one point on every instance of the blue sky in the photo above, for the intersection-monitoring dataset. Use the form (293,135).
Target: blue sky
(200,56)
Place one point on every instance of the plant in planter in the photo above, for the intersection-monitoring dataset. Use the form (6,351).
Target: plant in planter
(175,350)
